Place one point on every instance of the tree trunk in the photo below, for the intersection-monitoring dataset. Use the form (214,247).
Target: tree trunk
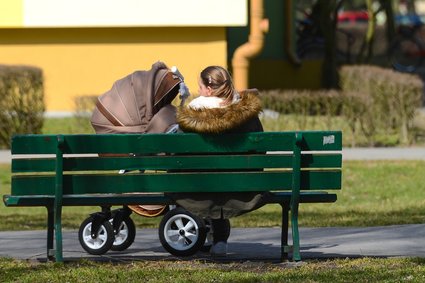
(328,16)
(390,25)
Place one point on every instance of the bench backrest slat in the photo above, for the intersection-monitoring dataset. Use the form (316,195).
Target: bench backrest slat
(175,143)
(175,182)
(308,161)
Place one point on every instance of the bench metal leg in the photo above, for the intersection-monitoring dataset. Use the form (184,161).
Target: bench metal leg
(284,233)
(296,256)
(58,234)
(50,233)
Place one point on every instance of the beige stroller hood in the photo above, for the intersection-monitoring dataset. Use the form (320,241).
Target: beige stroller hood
(132,102)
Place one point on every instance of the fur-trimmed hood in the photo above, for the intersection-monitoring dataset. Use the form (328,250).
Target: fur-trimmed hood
(220,120)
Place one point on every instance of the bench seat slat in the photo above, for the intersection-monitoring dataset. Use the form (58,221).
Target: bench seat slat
(132,199)
(87,200)
(305,197)
(176,182)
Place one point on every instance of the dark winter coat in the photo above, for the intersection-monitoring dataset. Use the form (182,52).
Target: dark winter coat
(240,117)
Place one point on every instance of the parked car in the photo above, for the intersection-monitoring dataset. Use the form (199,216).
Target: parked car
(353,16)
(409,19)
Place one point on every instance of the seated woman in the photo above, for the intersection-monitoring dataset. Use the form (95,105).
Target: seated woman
(220,109)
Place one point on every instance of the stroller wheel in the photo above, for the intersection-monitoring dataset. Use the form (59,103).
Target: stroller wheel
(124,235)
(181,233)
(100,241)
(209,236)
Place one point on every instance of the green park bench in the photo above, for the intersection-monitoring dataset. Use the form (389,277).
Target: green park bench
(82,170)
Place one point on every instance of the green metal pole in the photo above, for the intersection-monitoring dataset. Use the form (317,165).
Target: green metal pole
(296,184)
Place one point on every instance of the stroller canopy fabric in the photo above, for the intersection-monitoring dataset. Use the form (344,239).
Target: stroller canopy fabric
(131,103)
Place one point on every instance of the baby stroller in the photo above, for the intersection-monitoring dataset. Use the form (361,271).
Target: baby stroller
(140,103)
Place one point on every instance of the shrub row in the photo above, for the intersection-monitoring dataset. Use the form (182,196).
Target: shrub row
(84,106)
(303,102)
(381,101)
(377,105)
(21,101)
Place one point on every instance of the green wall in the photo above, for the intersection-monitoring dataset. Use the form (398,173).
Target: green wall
(271,69)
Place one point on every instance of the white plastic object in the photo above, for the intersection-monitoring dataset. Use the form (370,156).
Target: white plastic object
(183,89)
(176,71)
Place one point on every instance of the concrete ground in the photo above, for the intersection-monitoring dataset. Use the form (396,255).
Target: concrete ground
(245,244)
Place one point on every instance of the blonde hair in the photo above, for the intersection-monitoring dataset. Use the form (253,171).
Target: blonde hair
(220,82)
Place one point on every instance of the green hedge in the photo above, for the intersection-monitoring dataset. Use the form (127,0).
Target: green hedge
(381,102)
(304,102)
(84,106)
(376,105)
(21,102)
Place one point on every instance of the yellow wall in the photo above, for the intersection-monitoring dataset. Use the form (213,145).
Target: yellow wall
(86,61)
(11,13)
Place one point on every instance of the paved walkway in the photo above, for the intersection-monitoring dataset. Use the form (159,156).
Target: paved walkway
(411,153)
(253,244)
(5,156)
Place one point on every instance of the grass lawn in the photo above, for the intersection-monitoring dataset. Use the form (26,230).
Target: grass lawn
(338,270)
(374,193)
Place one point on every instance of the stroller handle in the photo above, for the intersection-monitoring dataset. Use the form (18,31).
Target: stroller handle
(176,71)
(184,91)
